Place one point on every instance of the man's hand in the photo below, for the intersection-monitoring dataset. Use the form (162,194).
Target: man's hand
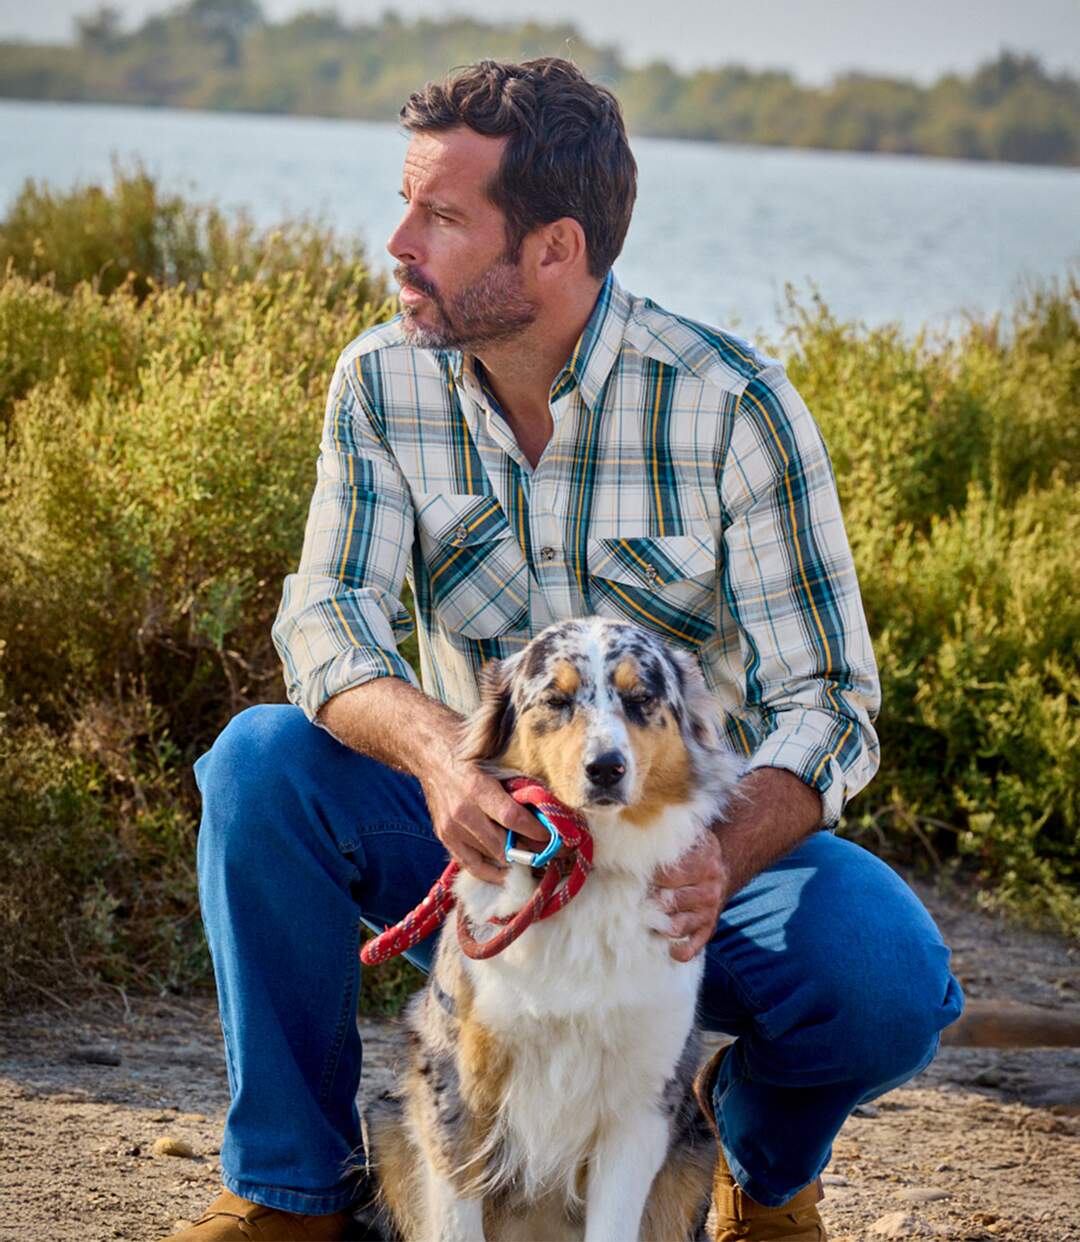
(399,725)
(470,812)
(773,812)
(693,891)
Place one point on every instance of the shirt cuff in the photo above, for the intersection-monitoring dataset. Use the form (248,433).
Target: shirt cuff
(351,668)
(813,765)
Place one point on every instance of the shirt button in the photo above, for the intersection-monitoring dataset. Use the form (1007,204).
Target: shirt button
(652,574)
(461,534)
(547,554)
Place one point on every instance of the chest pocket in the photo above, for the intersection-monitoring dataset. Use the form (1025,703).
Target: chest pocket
(664,583)
(477,575)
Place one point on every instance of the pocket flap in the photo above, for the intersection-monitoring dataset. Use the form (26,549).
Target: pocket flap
(652,561)
(457,519)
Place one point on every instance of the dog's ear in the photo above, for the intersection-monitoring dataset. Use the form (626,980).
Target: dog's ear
(701,717)
(486,733)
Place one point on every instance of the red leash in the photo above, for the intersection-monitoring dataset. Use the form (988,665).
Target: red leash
(550,896)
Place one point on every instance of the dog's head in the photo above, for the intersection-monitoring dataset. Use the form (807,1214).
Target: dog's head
(604,714)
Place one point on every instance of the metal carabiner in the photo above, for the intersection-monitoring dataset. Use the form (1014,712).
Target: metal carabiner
(527,858)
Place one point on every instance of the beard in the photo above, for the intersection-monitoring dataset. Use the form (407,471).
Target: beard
(493,308)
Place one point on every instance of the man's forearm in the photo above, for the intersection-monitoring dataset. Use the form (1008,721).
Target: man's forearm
(395,723)
(776,811)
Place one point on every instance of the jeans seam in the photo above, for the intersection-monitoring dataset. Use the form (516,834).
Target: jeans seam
(401,827)
(743,1177)
(333,1056)
(230,1062)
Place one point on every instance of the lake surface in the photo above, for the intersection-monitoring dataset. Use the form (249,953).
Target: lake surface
(717,231)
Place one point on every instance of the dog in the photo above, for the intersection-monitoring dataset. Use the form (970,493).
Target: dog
(547,1093)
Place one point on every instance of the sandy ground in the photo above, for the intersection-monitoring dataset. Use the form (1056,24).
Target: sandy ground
(984,1144)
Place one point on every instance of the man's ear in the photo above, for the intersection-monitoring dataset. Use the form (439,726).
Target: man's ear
(486,733)
(562,246)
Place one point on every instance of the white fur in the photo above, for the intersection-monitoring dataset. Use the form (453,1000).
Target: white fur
(595,1013)
(458,1220)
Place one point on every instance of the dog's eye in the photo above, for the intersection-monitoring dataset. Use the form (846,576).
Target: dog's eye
(640,698)
(557,702)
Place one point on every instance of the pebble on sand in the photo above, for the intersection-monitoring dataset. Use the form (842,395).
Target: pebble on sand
(896,1225)
(166,1146)
(922,1194)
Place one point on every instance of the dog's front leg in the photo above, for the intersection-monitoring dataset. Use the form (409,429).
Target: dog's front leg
(450,1217)
(621,1170)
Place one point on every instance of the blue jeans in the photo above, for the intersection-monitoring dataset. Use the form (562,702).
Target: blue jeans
(826,968)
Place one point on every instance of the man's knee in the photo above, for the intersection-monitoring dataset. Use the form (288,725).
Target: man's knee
(875,988)
(257,750)
(875,1008)
(273,779)
(890,1023)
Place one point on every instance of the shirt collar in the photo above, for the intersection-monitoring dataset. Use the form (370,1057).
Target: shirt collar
(594,354)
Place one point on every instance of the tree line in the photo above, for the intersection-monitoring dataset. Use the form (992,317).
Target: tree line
(224,54)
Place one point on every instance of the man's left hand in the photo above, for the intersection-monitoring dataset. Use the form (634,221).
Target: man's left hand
(775,810)
(693,891)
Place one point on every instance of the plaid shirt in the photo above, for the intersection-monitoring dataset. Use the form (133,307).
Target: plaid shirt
(685,488)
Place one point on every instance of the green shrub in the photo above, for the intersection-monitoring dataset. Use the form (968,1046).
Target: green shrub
(910,424)
(44,334)
(154,479)
(97,861)
(145,527)
(977,631)
(134,236)
(957,464)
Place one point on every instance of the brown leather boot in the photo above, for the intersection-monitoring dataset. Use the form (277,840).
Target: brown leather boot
(232,1219)
(738,1217)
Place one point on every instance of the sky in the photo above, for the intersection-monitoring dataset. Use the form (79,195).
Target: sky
(815,39)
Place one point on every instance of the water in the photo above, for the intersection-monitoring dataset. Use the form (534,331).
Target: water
(717,231)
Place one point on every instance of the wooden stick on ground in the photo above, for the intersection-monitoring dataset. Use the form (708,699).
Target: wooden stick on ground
(1009,1024)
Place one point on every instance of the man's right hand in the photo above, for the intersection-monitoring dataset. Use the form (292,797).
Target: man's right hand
(471,812)
(397,724)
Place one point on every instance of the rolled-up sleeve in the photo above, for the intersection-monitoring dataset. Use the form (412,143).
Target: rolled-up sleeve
(341,616)
(789,580)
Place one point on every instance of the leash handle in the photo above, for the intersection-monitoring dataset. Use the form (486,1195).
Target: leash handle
(529,858)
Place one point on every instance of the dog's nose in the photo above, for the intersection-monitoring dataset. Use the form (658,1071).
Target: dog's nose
(606,769)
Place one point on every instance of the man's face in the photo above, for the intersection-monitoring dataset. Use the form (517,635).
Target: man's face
(458,289)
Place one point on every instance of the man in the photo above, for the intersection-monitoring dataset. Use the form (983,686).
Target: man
(526,442)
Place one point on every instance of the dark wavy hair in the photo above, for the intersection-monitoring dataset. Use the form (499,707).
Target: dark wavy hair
(567,153)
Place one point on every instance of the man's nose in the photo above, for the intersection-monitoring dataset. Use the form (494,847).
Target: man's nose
(606,769)
(403,243)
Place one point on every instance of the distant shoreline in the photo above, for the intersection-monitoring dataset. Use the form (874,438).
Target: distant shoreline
(227,58)
(634,134)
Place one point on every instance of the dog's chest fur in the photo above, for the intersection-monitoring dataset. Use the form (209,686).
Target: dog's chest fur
(589,1010)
